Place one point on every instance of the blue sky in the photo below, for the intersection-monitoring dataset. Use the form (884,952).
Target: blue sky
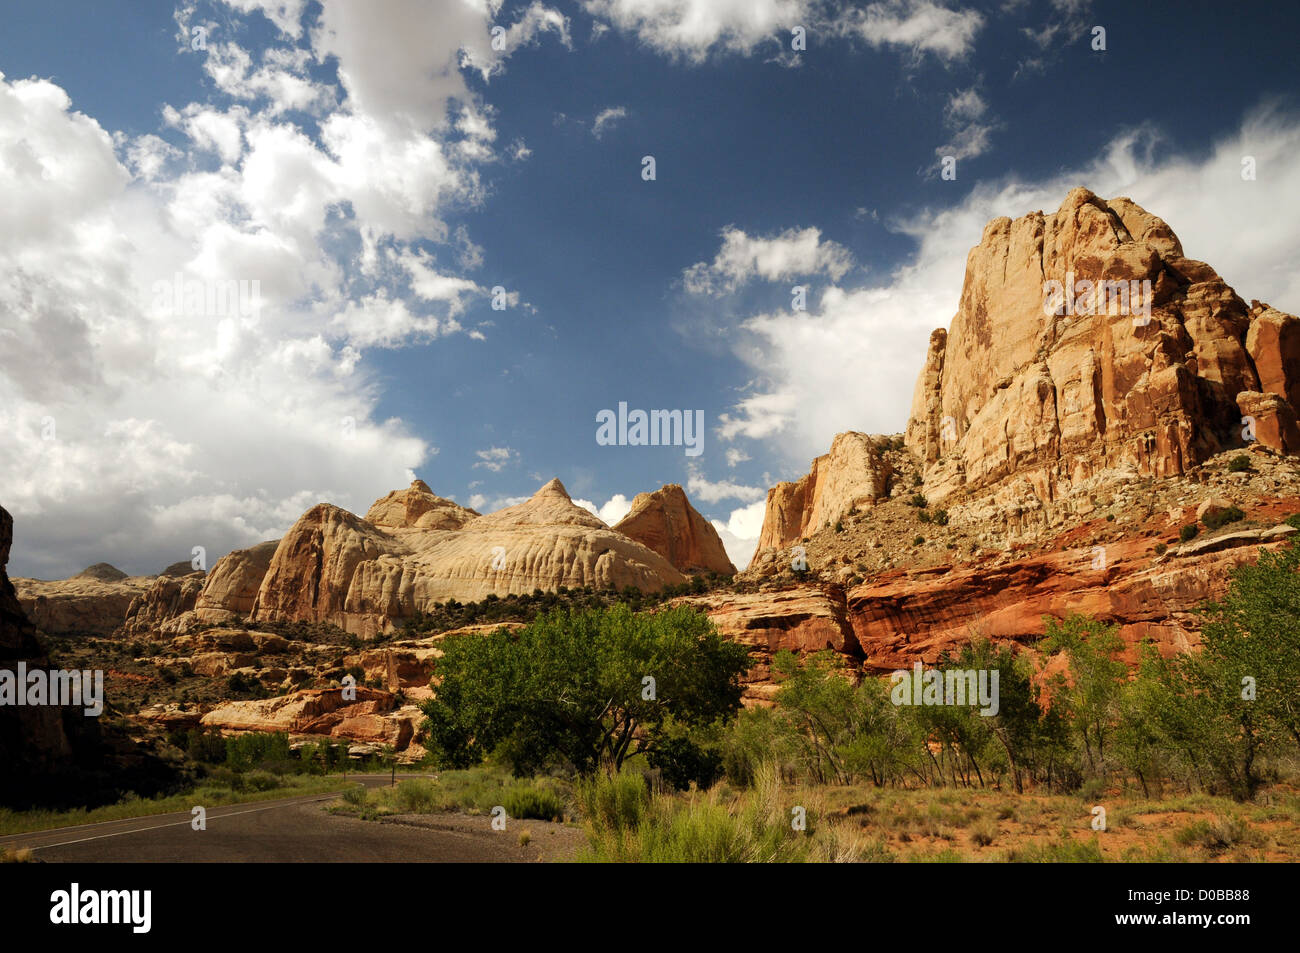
(380,168)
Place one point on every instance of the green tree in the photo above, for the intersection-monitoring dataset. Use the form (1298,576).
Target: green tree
(1091,693)
(588,688)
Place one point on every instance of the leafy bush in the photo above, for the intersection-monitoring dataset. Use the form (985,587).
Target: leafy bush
(1161,549)
(941,517)
(919,541)
(918,500)
(1239,463)
(1219,518)
(1188,533)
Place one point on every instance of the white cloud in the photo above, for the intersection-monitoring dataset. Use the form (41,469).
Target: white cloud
(970,131)
(739,534)
(495,458)
(794,252)
(172,431)
(703,489)
(736,456)
(615,508)
(693,29)
(607,119)
(920,26)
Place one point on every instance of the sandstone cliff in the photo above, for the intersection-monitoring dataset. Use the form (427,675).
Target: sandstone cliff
(851,477)
(665,522)
(1150,382)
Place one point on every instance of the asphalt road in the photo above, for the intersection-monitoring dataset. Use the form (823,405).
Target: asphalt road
(295,829)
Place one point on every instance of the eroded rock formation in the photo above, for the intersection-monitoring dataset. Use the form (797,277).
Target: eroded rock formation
(851,476)
(665,522)
(333,566)
(1141,374)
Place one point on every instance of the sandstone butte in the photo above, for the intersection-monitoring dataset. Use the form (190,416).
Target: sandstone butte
(666,522)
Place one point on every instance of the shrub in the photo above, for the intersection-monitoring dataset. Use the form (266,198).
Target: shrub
(1239,463)
(1293,520)
(1218,834)
(1218,518)
(924,516)
(839,526)
(919,541)
(918,500)
(983,834)
(614,803)
(1188,532)
(530,801)
(941,517)
(261,781)
(1161,549)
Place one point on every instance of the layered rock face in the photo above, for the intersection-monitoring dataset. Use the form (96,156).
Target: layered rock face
(1147,381)
(665,522)
(851,477)
(171,594)
(364,576)
(231,588)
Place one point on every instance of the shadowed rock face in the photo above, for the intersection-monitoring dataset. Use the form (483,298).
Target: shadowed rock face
(1012,391)
(32,739)
(665,522)
(364,576)
(52,755)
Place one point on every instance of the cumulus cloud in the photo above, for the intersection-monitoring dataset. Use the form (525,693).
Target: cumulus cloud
(740,532)
(133,427)
(794,252)
(615,508)
(851,363)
